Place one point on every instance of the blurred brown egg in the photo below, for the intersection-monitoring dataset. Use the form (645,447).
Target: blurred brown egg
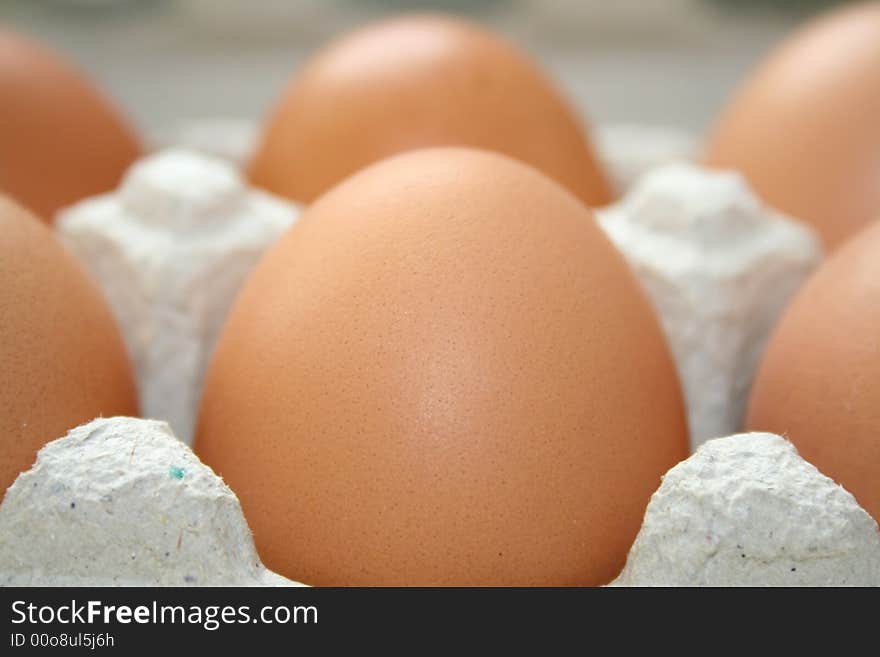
(415,82)
(62,359)
(443,374)
(805,129)
(819,383)
(60,141)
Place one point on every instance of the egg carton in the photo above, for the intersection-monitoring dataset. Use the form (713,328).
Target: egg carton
(718,266)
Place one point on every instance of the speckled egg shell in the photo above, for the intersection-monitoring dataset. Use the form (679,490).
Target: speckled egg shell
(62,360)
(444,374)
(414,82)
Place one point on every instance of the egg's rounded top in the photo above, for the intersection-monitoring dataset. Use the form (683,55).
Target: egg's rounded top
(444,373)
(804,129)
(819,382)
(62,359)
(419,81)
(60,139)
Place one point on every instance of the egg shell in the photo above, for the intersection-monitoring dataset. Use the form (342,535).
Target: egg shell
(443,374)
(62,359)
(60,140)
(804,129)
(414,82)
(819,382)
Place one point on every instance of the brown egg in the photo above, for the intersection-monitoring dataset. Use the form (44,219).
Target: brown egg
(444,374)
(62,360)
(60,141)
(819,383)
(415,82)
(805,129)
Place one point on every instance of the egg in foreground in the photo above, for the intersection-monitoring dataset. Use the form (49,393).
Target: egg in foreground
(413,82)
(443,374)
